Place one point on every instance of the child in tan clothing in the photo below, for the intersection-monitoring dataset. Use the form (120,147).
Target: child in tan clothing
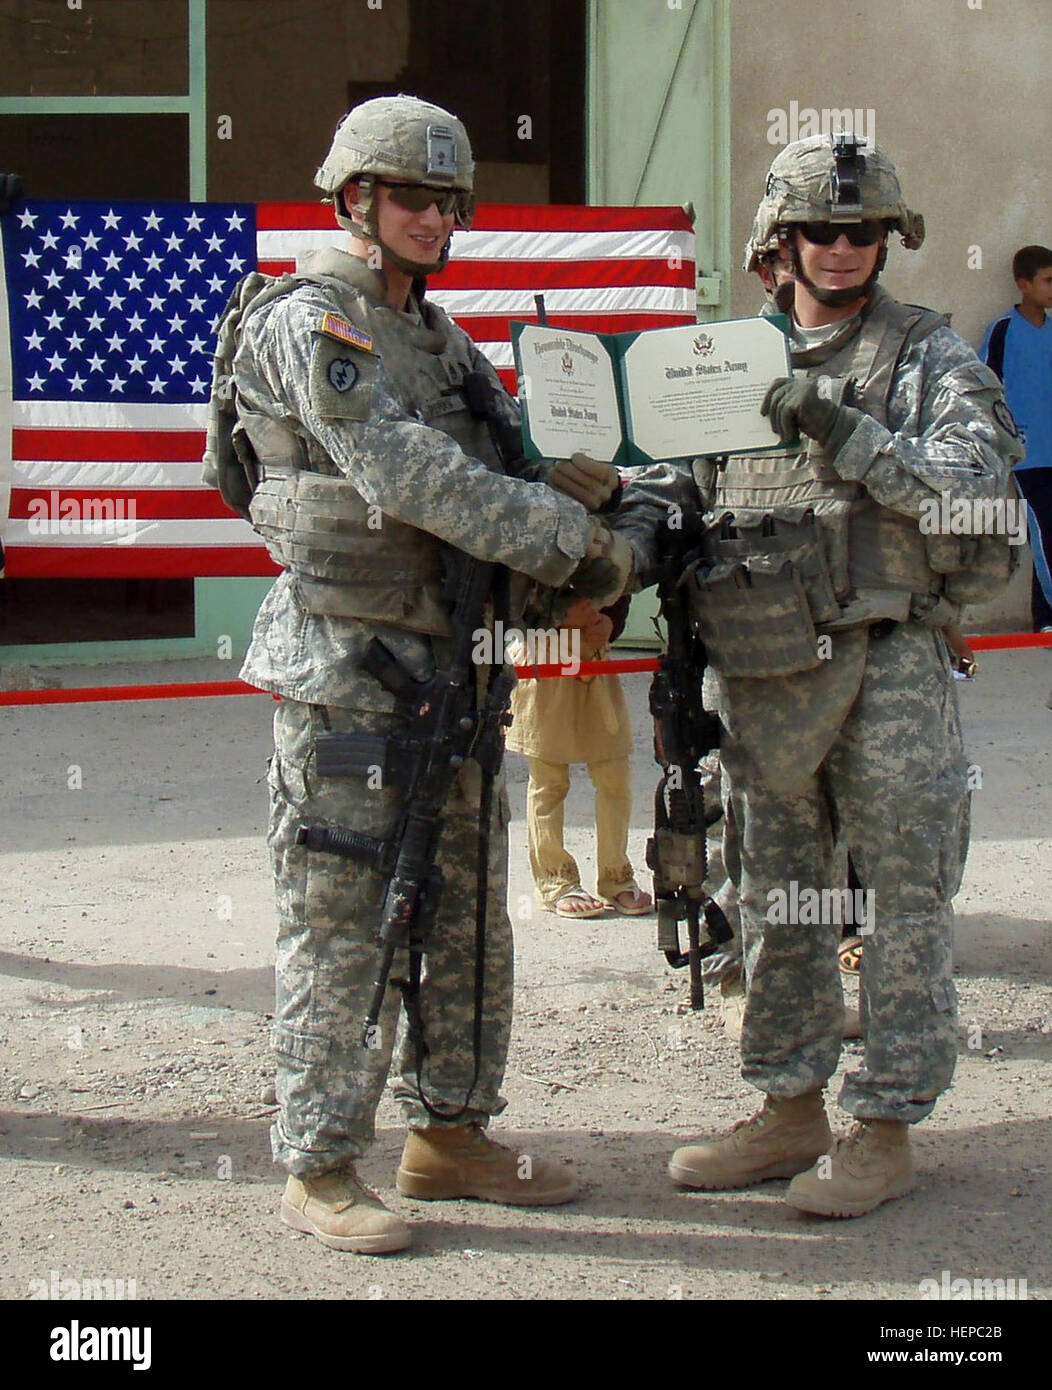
(579,719)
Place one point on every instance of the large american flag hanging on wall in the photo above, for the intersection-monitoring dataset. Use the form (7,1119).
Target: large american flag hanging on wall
(107,321)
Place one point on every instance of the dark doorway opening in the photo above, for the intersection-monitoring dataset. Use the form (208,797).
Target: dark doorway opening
(33,611)
(515,75)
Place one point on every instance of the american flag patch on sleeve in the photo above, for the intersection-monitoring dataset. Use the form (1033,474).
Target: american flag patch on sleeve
(336,327)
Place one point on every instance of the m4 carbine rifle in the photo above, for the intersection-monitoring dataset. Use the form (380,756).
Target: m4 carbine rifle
(683,734)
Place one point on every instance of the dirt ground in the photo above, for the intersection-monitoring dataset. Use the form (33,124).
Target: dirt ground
(135,981)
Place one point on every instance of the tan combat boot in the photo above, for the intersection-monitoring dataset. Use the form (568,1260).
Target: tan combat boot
(442,1163)
(871,1165)
(782,1139)
(343,1213)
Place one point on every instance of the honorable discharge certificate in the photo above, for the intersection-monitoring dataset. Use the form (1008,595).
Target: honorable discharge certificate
(666,393)
(570,393)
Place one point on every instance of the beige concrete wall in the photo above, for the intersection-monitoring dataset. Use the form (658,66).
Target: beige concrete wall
(962,102)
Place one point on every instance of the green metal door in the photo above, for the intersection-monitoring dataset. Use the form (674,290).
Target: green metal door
(659,133)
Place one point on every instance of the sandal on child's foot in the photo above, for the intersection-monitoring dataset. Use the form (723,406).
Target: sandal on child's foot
(575,902)
(849,954)
(631,902)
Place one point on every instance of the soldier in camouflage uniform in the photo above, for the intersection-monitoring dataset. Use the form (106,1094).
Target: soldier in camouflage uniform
(820,601)
(369,471)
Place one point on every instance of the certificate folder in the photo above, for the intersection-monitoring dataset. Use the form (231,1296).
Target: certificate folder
(661,393)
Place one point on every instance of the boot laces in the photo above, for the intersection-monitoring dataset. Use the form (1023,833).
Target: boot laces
(348,1174)
(482,1143)
(856,1144)
(752,1120)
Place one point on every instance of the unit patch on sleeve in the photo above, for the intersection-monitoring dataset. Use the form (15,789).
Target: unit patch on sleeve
(342,374)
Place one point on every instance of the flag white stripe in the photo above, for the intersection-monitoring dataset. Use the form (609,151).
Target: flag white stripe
(73,473)
(572,246)
(107,415)
(217,531)
(497,354)
(288,244)
(612,299)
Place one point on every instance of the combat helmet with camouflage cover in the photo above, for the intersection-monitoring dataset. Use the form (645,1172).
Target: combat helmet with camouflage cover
(404,140)
(830,178)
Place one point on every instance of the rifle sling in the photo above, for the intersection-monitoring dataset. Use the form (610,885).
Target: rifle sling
(479,394)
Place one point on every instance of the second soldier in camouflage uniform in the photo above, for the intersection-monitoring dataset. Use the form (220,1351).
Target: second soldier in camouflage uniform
(371,470)
(821,601)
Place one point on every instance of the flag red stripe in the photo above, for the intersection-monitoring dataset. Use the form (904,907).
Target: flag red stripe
(562,275)
(296,217)
(109,446)
(498,217)
(136,562)
(567,217)
(151,504)
(494,328)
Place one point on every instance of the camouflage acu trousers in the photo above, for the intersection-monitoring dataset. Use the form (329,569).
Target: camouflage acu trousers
(893,789)
(328,1085)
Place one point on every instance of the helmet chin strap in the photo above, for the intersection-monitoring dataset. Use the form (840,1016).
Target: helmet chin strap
(368,230)
(836,299)
(784,296)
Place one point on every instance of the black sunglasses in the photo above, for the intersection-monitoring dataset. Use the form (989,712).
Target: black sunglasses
(866,233)
(416,197)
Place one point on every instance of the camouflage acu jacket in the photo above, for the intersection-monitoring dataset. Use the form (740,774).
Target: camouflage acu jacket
(411,471)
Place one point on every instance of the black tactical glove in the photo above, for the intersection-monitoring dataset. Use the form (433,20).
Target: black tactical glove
(586,480)
(812,406)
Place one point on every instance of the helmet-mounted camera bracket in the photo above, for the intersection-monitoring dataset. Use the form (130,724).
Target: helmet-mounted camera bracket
(846,182)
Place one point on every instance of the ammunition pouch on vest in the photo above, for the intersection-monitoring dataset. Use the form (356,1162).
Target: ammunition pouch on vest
(349,560)
(991,565)
(756,595)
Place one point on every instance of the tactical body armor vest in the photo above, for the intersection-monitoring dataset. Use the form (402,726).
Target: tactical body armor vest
(348,559)
(796,551)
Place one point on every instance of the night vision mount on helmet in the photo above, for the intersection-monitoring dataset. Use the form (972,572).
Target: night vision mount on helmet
(404,140)
(828,178)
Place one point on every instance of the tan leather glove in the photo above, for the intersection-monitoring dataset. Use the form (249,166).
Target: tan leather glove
(586,480)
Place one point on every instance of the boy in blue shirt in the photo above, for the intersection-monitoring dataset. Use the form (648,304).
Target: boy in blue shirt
(1018,346)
